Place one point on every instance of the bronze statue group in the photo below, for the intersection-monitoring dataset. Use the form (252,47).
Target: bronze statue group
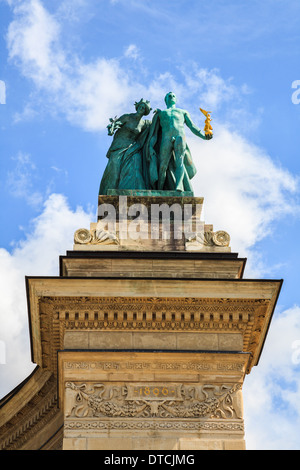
(151,155)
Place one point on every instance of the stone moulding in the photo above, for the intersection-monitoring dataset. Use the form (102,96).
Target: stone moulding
(30,413)
(60,315)
(92,425)
(84,236)
(149,264)
(93,239)
(199,366)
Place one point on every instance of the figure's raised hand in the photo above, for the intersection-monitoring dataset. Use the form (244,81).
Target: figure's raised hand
(114,125)
(117,125)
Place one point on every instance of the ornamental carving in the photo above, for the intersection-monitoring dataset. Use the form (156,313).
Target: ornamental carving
(83,236)
(210,238)
(152,400)
(221,238)
(33,417)
(210,425)
(61,314)
(154,366)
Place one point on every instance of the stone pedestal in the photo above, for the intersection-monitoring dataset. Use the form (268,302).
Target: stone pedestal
(150,347)
(137,221)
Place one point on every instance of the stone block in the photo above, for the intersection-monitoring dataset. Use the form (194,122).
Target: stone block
(155,340)
(76,340)
(151,443)
(109,443)
(197,341)
(75,443)
(230,342)
(199,444)
(110,340)
(232,444)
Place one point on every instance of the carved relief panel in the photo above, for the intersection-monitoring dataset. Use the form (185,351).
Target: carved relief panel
(152,400)
(142,392)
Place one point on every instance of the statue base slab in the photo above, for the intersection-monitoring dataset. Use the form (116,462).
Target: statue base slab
(148,192)
(134,220)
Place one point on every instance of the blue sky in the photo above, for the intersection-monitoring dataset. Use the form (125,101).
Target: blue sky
(67,66)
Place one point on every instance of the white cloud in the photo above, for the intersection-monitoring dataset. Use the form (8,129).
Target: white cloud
(132,51)
(244,191)
(52,233)
(2,92)
(212,89)
(20,180)
(102,90)
(32,41)
(28,113)
(271,391)
(74,10)
(89,93)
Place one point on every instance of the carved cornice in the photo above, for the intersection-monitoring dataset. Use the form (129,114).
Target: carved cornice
(59,315)
(63,305)
(31,419)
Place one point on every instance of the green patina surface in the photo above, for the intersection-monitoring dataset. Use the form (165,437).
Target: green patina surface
(148,192)
(150,158)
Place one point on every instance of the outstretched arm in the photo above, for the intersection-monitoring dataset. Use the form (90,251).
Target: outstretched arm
(195,130)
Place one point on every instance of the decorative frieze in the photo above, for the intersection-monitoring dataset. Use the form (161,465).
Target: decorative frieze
(229,426)
(205,365)
(148,400)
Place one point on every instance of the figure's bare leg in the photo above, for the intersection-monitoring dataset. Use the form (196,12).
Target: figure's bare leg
(164,159)
(179,148)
